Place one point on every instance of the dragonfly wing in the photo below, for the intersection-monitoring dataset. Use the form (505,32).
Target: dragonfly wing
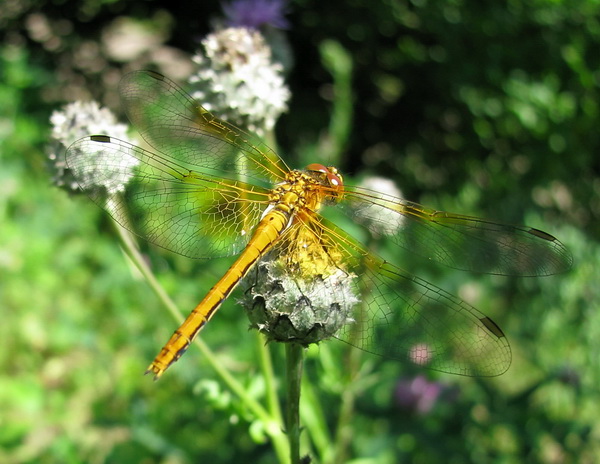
(405,317)
(401,316)
(175,124)
(458,241)
(165,202)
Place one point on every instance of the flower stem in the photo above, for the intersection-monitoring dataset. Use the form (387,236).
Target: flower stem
(266,365)
(315,423)
(293,353)
(344,428)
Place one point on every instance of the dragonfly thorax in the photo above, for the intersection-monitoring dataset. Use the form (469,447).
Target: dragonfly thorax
(309,190)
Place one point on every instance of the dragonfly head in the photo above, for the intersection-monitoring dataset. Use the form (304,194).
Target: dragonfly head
(329,175)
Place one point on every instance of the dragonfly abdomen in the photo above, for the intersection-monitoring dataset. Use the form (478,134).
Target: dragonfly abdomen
(268,231)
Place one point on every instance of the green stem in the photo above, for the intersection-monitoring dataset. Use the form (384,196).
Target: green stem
(315,422)
(271,424)
(269,376)
(293,354)
(344,427)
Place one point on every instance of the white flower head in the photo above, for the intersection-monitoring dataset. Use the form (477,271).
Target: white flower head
(238,80)
(71,123)
(101,162)
(381,217)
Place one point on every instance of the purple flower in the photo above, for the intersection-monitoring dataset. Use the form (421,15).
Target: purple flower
(417,394)
(256,13)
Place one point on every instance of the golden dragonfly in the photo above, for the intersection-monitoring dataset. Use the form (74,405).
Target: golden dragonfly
(208,189)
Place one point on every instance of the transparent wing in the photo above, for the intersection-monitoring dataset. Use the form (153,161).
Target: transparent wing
(162,200)
(176,125)
(458,241)
(399,316)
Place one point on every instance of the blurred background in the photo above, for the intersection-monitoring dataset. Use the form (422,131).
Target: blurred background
(486,108)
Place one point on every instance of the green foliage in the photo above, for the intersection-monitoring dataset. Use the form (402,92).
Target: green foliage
(483,108)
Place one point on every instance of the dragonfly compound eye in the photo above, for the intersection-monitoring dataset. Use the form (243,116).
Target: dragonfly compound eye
(334,177)
(331,173)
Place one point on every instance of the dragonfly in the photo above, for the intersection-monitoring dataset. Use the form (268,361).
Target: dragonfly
(207,189)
